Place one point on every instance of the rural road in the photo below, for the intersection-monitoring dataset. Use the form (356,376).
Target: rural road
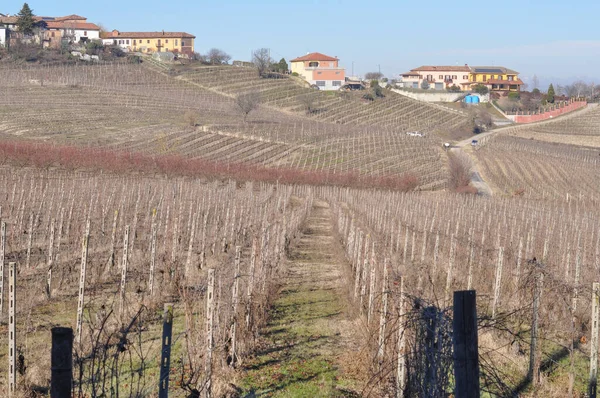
(476,180)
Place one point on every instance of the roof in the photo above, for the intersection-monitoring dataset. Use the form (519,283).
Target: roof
(314,57)
(517,82)
(448,68)
(146,35)
(410,73)
(71,17)
(493,69)
(72,25)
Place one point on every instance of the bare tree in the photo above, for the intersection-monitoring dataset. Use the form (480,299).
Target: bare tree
(247,102)
(217,56)
(460,170)
(261,58)
(535,82)
(308,101)
(580,88)
(373,75)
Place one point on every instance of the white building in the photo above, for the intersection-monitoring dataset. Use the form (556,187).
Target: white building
(3,33)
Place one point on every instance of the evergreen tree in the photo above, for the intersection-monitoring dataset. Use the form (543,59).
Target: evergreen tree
(550,95)
(25,21)
(282,66)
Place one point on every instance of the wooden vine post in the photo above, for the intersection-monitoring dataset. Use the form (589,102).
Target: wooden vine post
(383,319)
(50,261)
(401,364)
(12,329)
(152,255)
(465,345)
(2,248)
(234,303)
(533,359)
(593,382)
(80,302)
(61,363)
(497,284)
(165,359)
(210,307)
(123,273)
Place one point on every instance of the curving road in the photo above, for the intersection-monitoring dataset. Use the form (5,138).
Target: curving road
(476,180)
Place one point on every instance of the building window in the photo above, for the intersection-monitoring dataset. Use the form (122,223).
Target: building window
(182,43)
(148,41)
(167,40)
(441,77)
(320,83)
(52,34)
(429,78)
(336,83)
(85,32)
(510,78)
(318,73)
(485,78)
(465,77)
(454,77)
(337,73)
(313,64)
(176,42)
(134,42)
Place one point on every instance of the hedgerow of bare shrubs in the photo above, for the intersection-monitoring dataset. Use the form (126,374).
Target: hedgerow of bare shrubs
(45,156)
(460,173)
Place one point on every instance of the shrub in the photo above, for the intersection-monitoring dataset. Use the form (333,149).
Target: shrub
(454,88)
(368,97)
(425,85)
(481,89)
(514,96)
(296,74)
(191,118)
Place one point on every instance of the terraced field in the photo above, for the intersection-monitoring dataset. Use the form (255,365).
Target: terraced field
(147,109)
(541,170)
(579,128)
(392,112)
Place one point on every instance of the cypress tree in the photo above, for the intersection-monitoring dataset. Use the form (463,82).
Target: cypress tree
(551,94)
(25,21)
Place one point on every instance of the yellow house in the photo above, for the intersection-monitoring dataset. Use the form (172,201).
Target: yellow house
(496,78)
(149,42)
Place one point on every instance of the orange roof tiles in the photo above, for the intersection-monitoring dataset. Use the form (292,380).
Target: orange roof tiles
(443,68)
(145,35)
(314,57)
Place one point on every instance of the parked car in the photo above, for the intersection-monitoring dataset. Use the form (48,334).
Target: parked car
(474,142)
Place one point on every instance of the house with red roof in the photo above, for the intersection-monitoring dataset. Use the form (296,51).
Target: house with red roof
(438,77)
(319,70)
(69,29)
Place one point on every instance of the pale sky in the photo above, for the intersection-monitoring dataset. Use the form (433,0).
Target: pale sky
(552,39)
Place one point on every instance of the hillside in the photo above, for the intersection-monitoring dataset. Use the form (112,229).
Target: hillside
(149,110)
(395,112)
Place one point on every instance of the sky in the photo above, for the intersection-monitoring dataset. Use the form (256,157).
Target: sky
(554,40)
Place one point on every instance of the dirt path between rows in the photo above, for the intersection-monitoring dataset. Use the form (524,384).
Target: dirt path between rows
(311,328)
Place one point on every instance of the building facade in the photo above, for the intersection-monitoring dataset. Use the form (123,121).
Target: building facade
(495,78)
(149,42)
(69,29)
(319,70)
(437,77)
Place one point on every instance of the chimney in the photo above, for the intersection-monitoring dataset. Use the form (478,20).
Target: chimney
(163,32)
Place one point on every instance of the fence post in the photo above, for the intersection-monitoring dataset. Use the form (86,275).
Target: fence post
(2,247)
(210,291)
(12,330)
(165,360)
(124,272)
(464,339)
(61,380)
(80,302)
(592,391)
